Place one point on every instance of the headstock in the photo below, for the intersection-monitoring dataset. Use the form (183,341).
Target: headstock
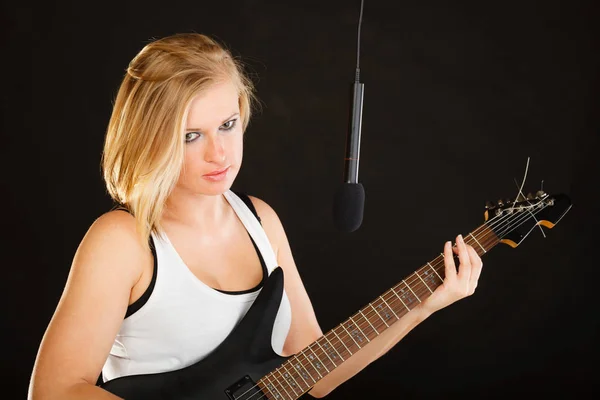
(513,220)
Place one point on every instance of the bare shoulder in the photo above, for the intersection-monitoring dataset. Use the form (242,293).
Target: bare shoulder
(114,231)
(263,209)
(116,225)
(114,236)
(116,220)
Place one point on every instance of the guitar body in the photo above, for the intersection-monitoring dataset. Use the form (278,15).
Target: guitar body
(230,371)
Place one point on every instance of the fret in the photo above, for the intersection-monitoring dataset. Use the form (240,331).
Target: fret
(376,312)
(409,288)
(279,386)
(441,279)
(319,363)
(326,353)
(355,332)
(477,241)
(351,337)
(388,306)
(300,369)
(363,315)
(430,279)
(283,386)
(399,298)
(310,358)
(342,342)
(407,296)
(428,288)
(311,375)
(291,380)
(278,395)
(329,345)
(265,388)
(490,236)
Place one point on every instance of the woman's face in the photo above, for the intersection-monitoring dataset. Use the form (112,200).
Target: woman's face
(213,141)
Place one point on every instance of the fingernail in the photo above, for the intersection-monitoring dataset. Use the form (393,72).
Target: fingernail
(460,237)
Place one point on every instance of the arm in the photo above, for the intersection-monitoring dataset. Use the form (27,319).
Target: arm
(107,264)
(305,328)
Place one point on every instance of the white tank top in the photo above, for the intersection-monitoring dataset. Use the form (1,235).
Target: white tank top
(184,319)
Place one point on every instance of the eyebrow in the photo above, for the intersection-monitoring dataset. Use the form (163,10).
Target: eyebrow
(225,120)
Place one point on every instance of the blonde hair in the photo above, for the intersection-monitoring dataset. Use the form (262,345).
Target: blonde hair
(144,145)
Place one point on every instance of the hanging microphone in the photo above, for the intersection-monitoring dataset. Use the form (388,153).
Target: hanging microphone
(349,199)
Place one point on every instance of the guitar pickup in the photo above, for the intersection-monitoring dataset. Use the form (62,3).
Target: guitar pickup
(245,388)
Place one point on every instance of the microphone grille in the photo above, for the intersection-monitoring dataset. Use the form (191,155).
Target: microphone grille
(348,206)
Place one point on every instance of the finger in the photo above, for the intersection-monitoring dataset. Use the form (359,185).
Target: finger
(449,261)
(476,267)
(464,269)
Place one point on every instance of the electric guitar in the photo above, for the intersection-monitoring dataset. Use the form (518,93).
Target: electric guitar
(245,367)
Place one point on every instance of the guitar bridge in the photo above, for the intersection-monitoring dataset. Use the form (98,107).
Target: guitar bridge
(243,389)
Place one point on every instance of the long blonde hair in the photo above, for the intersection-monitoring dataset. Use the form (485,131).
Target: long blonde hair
(144,145)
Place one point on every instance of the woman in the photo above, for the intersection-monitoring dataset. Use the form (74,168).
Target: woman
(161,280)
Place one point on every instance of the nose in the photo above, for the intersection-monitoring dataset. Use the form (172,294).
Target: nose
(215,150)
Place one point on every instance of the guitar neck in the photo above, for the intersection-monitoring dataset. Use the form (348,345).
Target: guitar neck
(301,372)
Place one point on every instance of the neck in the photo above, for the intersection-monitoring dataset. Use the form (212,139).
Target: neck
(197,210)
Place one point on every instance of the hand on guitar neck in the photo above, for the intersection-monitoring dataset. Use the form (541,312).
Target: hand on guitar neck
(459,282)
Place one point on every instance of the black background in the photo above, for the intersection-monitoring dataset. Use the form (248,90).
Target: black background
(458,96)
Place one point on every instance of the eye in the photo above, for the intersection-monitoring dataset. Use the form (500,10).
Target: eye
(189,137)
(229,125)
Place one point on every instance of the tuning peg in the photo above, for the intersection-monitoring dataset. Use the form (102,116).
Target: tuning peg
(508,201)
(530,196)
(540,194)
(500,203)
(520,198)
(489,205)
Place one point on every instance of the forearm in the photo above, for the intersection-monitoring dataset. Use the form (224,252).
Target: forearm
(78,391)
(369,353)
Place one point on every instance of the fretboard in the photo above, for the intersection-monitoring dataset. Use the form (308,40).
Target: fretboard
(301,372)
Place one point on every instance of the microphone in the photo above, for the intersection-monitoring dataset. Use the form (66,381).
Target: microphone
(349,199)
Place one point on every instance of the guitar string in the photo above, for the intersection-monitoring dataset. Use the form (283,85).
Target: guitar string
(422,291)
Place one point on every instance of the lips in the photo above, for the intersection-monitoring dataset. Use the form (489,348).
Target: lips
(217,172)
